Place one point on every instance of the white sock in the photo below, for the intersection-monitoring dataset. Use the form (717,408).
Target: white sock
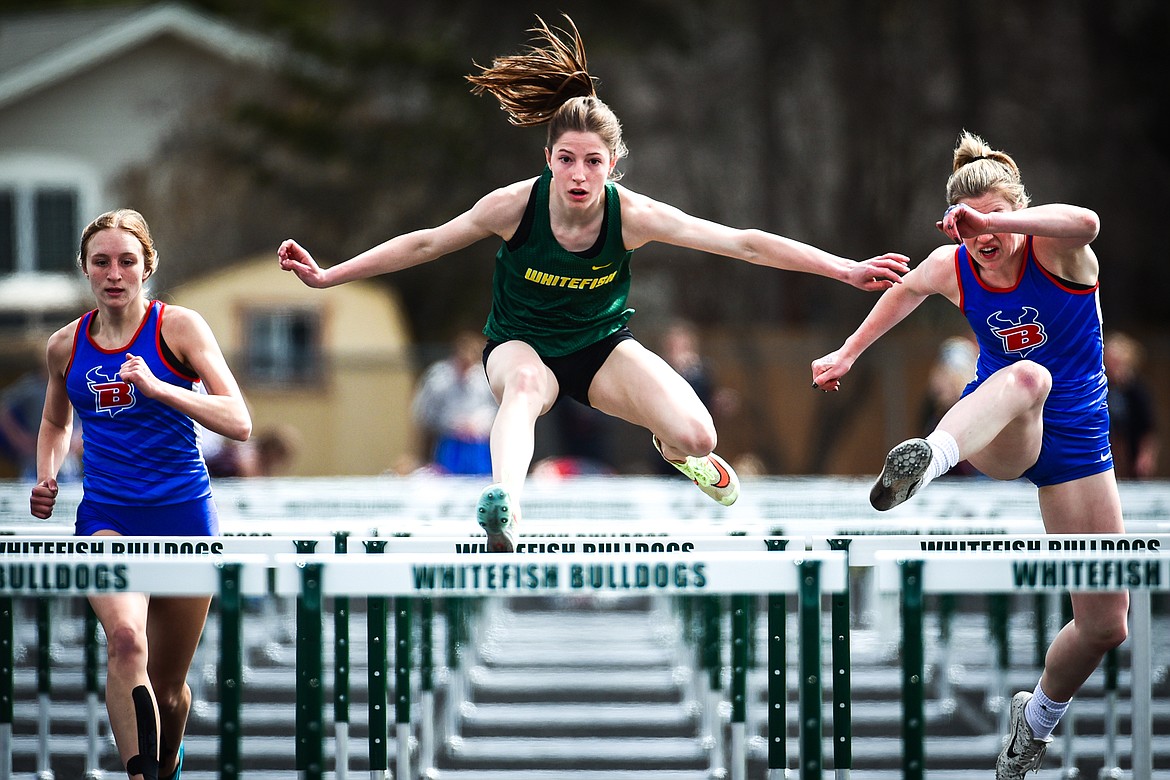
(946,455)
(1042,713)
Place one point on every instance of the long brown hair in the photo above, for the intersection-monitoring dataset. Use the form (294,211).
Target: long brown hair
(549,84)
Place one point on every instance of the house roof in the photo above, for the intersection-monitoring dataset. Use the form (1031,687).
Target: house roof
(38,50)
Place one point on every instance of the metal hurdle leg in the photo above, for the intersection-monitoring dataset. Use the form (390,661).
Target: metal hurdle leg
(402,661)
(842,685)
(426,724)
(341,671)
(777,686)
(1141,728)
(1109,753)
(946,613)
(92,695)
(999,697)
(230,671)
(712,663)
(1068,724)
(7,686)
(811,687)
(310,682)
(455,695)
(913,669)
(44,608)
(741,607)
(376,630)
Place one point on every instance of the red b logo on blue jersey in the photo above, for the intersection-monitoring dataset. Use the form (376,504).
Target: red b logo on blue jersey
(109,394)
(1019,335)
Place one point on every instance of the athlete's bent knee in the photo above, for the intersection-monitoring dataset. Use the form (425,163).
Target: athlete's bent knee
(695,437)
(525,379)
(126,647)
(1105,636)
(1032,378)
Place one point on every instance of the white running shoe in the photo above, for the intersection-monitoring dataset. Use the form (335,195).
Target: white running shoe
(1022,753)
(498,518)
(902,475)
(711,473)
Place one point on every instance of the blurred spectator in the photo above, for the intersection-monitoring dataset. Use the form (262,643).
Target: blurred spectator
(21,405)
(268,453)
(561,467)
(952,370)
(455,408)
(1132,425)
(681,350)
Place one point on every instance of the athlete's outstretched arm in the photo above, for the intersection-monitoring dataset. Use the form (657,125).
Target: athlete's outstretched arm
(1061,234)
(1075,225)
(497,213)
(933,275)
(645,220)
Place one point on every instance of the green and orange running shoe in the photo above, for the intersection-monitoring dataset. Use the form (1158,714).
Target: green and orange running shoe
(711,473)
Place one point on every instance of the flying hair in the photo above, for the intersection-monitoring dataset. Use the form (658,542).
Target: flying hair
(533,84)
(977,169)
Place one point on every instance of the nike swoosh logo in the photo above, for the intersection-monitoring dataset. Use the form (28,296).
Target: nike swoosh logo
(724,477)
(599,267)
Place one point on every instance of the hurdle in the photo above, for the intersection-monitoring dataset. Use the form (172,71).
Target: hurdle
(69,573)
(45,566)
(915,573)
(408,578)
(151,559)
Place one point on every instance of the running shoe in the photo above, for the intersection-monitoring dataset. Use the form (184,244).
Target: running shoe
(711,473)
(902,475)
(178,774)
(498,518)
(1022,753)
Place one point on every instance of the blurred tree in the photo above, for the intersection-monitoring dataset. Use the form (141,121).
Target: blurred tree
(830,122)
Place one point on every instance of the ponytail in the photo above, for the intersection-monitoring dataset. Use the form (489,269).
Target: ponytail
(549,84)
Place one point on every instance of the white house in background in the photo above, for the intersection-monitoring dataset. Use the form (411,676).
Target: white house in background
(84,94)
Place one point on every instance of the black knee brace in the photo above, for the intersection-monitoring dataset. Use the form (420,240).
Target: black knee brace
(146,762)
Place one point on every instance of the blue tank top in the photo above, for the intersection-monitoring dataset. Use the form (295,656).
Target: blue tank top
(1044,319)
(138,451)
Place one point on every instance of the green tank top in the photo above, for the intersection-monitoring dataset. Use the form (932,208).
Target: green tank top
(555,300)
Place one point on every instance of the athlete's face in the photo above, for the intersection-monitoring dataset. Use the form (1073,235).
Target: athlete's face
(115,267)
(581,165)
(994,250)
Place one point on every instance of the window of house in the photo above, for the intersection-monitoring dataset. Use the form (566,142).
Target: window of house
(39,228)
(283,346)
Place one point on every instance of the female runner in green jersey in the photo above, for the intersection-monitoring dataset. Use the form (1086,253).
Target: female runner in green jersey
(557,325)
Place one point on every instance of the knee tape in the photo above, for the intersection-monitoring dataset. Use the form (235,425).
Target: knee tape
(146,762)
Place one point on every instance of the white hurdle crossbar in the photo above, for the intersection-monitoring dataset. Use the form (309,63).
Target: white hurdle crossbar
(412,569)
(408,577)
(66,571)
(915,573)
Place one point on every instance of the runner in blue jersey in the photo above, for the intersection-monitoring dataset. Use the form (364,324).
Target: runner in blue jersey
(130,369)
(557,324)
(1025,277)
